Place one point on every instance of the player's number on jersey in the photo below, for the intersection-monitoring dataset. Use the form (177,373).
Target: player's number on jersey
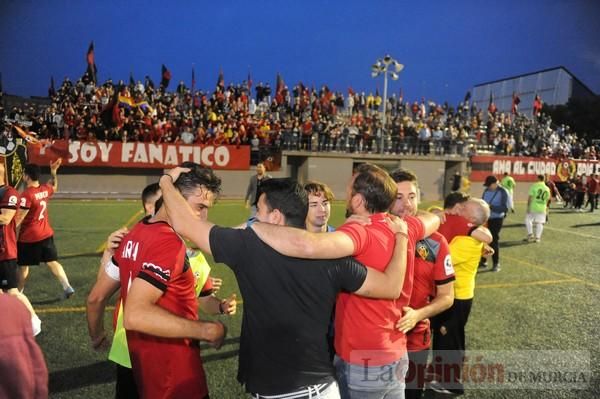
(43,211)
(542,195)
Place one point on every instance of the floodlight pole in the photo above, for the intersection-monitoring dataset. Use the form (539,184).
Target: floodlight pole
(385,83)
(382,66)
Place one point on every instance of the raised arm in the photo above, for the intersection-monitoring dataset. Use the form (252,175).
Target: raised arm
(388,285)
(431,222)
(53,173)
(299,243)
(181,216)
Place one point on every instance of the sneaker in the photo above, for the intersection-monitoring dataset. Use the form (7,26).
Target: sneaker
(36,325)
(482,265)
(496,268)
(68,292)
(438,388)
(529,238)
(536,240)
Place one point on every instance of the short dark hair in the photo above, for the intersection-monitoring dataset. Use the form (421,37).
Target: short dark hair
(455,197)
(287,196)
(400,175)
(149,191)
(198,176)
(33,171)
(376,186)
(318,189)
(542,177)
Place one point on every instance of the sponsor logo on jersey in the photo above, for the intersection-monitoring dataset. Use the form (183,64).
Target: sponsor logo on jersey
(448,268)
(163,274)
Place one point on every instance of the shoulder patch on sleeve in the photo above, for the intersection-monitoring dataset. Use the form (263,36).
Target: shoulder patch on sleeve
(427,249)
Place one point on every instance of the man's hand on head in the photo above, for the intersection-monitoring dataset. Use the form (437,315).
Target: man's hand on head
(176,172)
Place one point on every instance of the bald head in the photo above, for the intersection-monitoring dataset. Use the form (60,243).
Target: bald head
(476,210)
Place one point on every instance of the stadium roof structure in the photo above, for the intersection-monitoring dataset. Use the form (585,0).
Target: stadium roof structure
(555,86)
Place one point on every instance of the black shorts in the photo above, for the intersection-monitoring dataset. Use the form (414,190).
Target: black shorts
(8,274)
(32,253)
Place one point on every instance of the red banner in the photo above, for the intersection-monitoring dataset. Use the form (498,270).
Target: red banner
(116,154)
(526,168)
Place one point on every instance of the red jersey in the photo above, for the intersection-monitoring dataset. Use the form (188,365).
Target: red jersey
(456,226)
(36,225)
(433,266)
(163,367)
(9,199)
(364,327)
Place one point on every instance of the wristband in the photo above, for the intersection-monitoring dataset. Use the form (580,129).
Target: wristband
(170,177)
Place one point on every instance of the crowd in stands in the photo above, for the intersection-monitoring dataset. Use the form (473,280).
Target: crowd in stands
(302,118)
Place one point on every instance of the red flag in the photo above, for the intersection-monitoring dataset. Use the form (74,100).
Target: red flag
(165,77)
(193,79)
(51,89)
(350,91)
(279,84)
(90,54)
(91,62)
(515,103)
(221,79)
(492,107)
(537,105)
(249,82)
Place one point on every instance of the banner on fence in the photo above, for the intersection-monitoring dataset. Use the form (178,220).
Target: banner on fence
(527,168)
(116,154)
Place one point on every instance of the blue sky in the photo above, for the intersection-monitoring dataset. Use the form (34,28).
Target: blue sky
(446,46)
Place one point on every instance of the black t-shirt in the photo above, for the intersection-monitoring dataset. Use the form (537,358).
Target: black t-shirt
(287,309)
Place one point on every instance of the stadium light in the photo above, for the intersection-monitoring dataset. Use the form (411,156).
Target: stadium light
(386,66)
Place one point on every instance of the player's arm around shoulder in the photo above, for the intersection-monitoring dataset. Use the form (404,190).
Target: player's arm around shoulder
(482,234)
(388,284)
(430,221)
(300,243)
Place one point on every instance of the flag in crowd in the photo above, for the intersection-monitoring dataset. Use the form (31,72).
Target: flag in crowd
(193,80)
(249,82)
(537,105)
(515,103)
(279,83)
(221,80)
(92,70)
(467,96)
(131,81)
(492,107)
(51,89)
(165,77)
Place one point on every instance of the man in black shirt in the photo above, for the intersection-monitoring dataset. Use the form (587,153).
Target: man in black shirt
(288,301)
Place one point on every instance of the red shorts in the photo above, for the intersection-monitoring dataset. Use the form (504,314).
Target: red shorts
(168,369)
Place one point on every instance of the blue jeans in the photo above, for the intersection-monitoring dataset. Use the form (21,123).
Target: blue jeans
(377,382)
